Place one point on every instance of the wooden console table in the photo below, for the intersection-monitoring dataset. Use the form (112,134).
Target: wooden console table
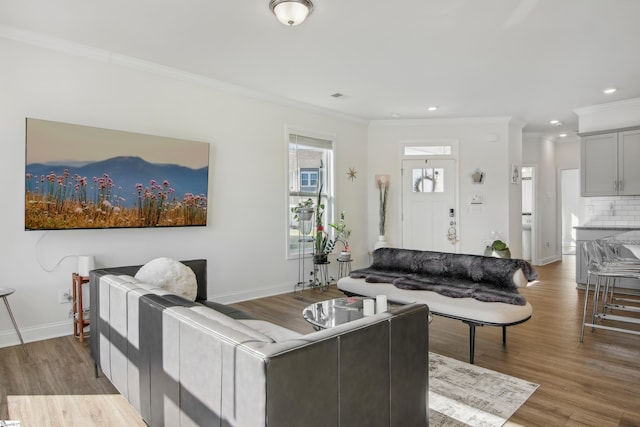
(79,322)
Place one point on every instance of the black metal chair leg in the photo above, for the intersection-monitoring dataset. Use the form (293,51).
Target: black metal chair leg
(472,340)
(504,335)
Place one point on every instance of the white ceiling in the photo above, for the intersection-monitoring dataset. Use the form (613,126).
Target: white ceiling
(534,60)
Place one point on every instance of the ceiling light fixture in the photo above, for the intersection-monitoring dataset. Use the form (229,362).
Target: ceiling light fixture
(609,91)
(432,108)
(563,135)
(556,122)
(291,12)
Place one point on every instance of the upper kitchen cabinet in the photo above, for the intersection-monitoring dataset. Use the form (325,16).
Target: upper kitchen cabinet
(609,164)
(628,163)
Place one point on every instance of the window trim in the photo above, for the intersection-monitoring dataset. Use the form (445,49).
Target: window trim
(453,143)
(329,188)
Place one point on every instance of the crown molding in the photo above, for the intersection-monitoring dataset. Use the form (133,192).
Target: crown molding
(609,106)
(88,52)
(444,121)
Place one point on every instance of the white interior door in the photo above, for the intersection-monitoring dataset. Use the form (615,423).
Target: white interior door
(428,204)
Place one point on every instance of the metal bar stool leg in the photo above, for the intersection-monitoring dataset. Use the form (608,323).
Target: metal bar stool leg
(15,325)
(584,310)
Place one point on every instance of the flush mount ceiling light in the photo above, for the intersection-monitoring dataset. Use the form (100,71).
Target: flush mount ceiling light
(432,108)
(291,12)
(556,122)
(609,91)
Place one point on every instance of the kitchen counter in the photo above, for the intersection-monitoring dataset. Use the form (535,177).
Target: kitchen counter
(587,233)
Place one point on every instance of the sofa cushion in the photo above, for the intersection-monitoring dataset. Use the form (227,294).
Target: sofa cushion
(453,275)
(171,275)
(463,308)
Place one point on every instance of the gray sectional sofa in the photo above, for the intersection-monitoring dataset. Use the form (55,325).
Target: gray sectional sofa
(184,363)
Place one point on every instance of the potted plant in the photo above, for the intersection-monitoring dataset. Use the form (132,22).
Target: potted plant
(303,211)
(382,184)
(322,244)
(498,249)
(342,235)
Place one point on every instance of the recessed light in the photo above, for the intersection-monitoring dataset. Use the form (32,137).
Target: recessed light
(609,90)
(432,108)
(563,135)
(556,122)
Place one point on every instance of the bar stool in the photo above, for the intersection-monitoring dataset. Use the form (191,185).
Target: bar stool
(4,293)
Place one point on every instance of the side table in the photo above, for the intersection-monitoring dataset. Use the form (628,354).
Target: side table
(79,322)
(344,267)
(321,275)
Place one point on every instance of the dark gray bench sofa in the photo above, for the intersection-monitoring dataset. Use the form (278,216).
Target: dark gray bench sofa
(475,289)
(188,363)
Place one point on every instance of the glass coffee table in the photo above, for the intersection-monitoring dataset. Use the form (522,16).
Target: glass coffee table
(333,312)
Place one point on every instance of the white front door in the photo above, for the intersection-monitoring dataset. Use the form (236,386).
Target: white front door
(428,205)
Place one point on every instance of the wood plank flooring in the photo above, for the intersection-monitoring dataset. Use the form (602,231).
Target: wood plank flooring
(54,384)
(595,383)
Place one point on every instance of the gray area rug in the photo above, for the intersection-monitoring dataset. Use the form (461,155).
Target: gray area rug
(461,394)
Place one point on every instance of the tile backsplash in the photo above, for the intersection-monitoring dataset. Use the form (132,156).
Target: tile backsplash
(611,211)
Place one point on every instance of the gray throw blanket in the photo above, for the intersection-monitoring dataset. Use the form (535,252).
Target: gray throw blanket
(453,275)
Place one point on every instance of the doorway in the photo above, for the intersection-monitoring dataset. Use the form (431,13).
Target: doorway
(529,217)
(428,204)
(570,209)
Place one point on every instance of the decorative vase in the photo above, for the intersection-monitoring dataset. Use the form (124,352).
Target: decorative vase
(305,214)
(381,243)
(344,256)
(306,227)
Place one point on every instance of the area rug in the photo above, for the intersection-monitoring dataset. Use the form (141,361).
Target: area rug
(461,394)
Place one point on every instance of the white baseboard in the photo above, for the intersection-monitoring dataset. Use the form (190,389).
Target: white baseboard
(252,294)
(549,260)
(8,337)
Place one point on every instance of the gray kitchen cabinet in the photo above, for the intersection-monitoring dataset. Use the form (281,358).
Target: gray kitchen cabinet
(609,164)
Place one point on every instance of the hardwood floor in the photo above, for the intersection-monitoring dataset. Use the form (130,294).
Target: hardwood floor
(595,383)
(54,384)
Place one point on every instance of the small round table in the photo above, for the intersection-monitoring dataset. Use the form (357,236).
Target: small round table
(4,293)
(321,275)
(344,267)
